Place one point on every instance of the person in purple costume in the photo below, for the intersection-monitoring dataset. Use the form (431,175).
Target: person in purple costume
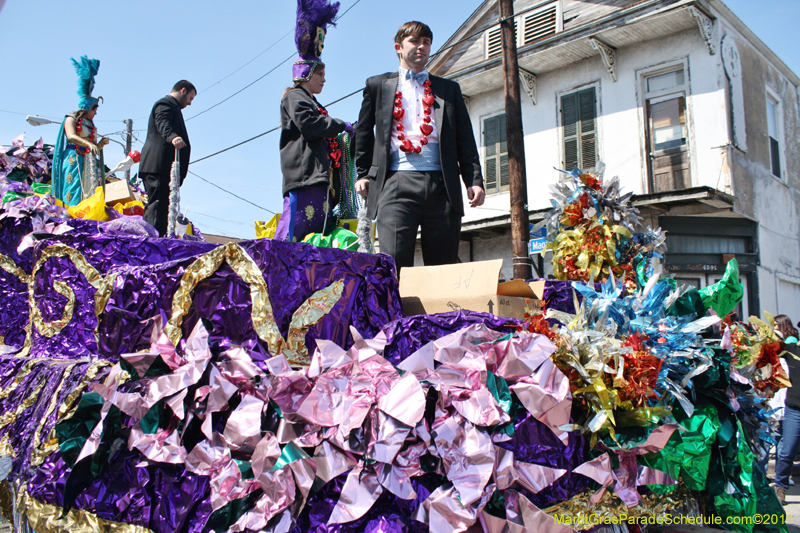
(307,132)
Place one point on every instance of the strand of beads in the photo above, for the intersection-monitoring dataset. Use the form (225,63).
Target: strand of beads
(350,201)
(335,153)
(425,128)
(83,150)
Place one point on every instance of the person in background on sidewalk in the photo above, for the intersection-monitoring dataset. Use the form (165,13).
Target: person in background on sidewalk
(790,430)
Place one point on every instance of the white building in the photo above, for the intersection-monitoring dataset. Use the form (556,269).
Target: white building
(678,98)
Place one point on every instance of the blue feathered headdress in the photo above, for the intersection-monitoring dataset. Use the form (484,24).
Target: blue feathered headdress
(86,69)
(313,18)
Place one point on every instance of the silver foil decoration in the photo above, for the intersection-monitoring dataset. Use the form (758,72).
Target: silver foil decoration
(174,195)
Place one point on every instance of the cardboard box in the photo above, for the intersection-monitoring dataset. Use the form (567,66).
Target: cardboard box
(119,191)
(472,286)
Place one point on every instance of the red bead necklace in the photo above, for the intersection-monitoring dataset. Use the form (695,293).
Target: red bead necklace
(427,101)
(83,150)
(335,152)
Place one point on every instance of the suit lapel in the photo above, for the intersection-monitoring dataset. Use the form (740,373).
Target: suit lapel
(387,104)
(438,106)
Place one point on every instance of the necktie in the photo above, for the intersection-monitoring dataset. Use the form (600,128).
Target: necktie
(419,77)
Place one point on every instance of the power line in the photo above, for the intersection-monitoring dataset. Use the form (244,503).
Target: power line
(220,219)
(266,74)
(235,145)
(232,194)
(269,131)
(259,55)
(248,186)
(243,88)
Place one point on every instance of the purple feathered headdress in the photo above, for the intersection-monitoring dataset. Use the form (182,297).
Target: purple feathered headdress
(313,18)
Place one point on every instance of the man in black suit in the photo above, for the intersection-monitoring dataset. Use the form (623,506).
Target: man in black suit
(410,165)
(166,133)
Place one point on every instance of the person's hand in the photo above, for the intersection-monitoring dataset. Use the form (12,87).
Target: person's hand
(362,187)
(95,148)
(103,142)
(475,195)
(178,143)
(348,128)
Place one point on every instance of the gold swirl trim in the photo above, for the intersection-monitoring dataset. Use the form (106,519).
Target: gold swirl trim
(47,518)
(244,266)
(8,264)
(37,455)
(21,375)
(6,450)
(48,329)
(65,410)
(103,286)
(68,408)
(10,416)
(309,313)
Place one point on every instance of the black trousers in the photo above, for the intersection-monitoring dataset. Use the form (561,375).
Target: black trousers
(413,200)
(157,210)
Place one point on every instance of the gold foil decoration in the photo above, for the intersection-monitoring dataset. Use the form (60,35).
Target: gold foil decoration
(6,450)
(46,518)
(309,313)
(11,416)
(244,266)
(21,375)
(576,511)
(7,501)
(7,264)
(68,408)
(37,456)
(100,283)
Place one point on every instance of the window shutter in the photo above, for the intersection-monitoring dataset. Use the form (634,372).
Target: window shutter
(491,174)
(540,24)
(504,180)
(494,40)
(578,117)
(588,110)
(490,145)
(569,119)
(496,153)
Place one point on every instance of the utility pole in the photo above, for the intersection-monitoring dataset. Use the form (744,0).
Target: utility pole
(128,143)
(518,184)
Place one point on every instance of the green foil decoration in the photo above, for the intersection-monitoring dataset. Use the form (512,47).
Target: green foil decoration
(724,295)
(700,435)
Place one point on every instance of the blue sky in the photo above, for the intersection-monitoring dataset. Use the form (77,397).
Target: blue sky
(147,45)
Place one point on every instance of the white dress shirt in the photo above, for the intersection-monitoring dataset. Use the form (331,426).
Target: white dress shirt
(428,158)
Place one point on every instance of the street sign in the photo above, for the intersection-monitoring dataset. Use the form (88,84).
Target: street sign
(538,240)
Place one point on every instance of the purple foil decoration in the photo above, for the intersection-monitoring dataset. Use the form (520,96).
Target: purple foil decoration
(533,442)
(407,335)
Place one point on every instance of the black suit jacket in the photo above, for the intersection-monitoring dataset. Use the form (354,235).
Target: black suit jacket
(457,148)
(166,123)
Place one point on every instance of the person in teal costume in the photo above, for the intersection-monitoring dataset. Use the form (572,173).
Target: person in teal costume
(74,175)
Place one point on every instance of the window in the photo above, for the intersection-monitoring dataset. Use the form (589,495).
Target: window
(666,135)
(495,152)
(773,129)
(579,120)
(537,24)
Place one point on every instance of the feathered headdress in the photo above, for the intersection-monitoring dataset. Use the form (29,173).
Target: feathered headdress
(86,69)
(313,18)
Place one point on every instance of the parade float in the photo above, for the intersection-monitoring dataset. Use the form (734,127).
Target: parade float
(162,385)
(153,384)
